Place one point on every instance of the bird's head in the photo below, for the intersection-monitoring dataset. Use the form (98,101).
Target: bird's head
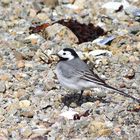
(67,54)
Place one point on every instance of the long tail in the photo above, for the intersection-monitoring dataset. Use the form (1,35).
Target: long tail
(122,93)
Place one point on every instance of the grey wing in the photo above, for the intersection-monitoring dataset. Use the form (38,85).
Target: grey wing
(69,71)
(87,74)
(93,77)
(83,71)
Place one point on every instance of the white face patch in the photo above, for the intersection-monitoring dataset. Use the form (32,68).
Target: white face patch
(66,54)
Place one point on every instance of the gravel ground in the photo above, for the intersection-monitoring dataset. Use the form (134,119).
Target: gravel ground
(34,106)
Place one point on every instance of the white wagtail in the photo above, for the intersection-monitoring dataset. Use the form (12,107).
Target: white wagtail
(73,73)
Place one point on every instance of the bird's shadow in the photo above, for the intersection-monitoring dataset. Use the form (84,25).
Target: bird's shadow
(68,99)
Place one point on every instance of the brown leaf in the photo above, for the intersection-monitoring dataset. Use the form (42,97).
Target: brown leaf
(39,28)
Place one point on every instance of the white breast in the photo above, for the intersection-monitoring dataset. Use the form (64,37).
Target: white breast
(68,83)
(72,83)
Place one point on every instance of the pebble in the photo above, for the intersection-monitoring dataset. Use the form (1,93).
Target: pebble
(117,131)
(24,104)
(130,74)
(19,56)
(49,80)
(39,92)
(88,105)
(41,130)
(113,6)
(103,41)
(68,114)
(133,59)
(97,53)
(3,133)
(138,46)
(2,118)
(68,1)
(103,138)
(42,16)
(12,108)
(2,87)
(27,113)
(32,13)
(20,64)
(51,3)
(5,2)
(58,33)
(80,4)
(26,131)
(97,128)
(19,93)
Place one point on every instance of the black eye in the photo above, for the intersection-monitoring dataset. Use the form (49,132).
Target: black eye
(64,53)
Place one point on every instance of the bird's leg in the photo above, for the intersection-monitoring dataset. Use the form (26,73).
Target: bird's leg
(81,95)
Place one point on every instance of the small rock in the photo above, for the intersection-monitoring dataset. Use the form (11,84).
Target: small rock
(5,77)
(32,13)
(73,105)
(122,85)
(26,131)
(3,138)
(21,64)
(114,6)
(59,32)
(39,92)
(41,130)
(133,58)
(36,6)
(2,87)
(1,62)
(36,137)
(29,64)
(24,104)
(133,11)
(3,134)
(5,2)
(68,1)
(32,36)
(117,131)
(42,16)
(104,41)
(80,4)
(19,56)
(134,85)
(51,3)
(88,105)
(138,46)
(49,80)
(69,114)
(12,108)
(105,61)
(97,53)
(103,138)
(2,118)
(19,93)
(33,39)
(97,128)
(27,113)
(130,74)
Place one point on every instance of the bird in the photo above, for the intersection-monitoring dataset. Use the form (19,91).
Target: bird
(73,73)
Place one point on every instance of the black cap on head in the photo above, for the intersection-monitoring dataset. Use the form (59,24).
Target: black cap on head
(72,52)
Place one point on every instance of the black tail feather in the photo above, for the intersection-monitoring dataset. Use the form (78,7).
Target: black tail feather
(122,93)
